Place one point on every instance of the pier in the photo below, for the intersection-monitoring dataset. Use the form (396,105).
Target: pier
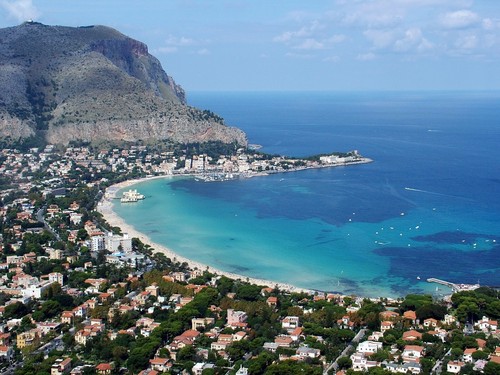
(454,287)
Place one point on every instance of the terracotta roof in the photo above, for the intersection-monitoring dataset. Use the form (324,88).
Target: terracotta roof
(495,359)
(416,348)
(190,333)
(158,361)
(408,335)
(103,367)
(410,315)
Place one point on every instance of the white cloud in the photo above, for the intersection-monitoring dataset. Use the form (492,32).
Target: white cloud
(21,10)
(367,56)
(169,49)
(335,39)
(413,39)
(460,19)
(379,38)
(179,41)
(491,24)
(467,42)
(373,20)
(390,28)
(331,59)
(203,51)
(310,44)
(299,55)
(488,24)
(303,32)
(174,44)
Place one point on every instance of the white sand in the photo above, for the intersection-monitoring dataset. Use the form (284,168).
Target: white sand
(105,207)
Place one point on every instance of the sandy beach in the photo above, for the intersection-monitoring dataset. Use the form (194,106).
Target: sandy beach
(105,207)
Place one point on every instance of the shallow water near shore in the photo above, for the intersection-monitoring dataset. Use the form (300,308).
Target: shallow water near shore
(427,207)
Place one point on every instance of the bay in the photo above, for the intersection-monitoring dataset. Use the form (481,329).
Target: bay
(427,207)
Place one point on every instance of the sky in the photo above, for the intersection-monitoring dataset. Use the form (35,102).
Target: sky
(281,45)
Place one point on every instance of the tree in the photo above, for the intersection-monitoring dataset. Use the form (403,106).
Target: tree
(187,353)
(52,291)
(68,339)
(456,353)
(15,310)
(248,292)
(259,364)
(380,355)
(292,368)
(479,354)
(427,365)
(492,368)
(344,362)
(26,324)
(120,353)
(50,308)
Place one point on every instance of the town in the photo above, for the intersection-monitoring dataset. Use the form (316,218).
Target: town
(78,296)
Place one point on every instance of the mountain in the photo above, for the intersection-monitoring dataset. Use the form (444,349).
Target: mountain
(93,84)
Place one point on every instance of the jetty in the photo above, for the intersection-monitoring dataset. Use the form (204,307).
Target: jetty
(454,287)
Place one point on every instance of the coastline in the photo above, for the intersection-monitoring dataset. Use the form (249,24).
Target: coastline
(105,208)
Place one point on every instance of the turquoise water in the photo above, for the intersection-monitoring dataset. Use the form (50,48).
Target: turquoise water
(427,207)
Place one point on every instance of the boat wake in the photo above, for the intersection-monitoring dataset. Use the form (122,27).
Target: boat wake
(434,193)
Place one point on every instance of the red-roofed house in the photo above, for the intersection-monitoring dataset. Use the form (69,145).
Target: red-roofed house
(412,335)
(454,367)
(430,323)
(468,355)
(160,364)
(389,315)
(412,353)
(6,352)
(61,366)
(103,368)
(410,315)
(283,341)
(272,301)
(386,325)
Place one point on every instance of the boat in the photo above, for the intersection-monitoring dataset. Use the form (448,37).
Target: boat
(131,196)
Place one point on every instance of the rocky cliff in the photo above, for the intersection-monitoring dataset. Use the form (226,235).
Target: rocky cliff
(93,83)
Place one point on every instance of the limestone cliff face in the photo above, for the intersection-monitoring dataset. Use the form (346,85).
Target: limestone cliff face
(93,83)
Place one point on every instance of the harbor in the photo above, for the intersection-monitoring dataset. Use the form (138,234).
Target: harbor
(454,287)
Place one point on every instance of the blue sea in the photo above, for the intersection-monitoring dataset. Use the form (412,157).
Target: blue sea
(428,206)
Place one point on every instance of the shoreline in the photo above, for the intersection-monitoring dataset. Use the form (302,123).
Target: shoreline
(105,208)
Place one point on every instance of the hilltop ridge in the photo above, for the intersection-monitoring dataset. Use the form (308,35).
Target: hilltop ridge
(93,83)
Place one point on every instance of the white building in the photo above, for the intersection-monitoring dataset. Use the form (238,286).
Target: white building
(115,242)
(36,291)
(235,317)
(290,322)
(369,347)
(56,277)
(97,242)
(361,362)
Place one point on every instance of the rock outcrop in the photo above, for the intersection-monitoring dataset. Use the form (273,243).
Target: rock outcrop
(94,83)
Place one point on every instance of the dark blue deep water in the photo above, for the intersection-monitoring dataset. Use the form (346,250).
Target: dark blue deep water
(428,206)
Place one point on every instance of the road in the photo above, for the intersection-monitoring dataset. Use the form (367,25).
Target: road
(39,217)
(45,349)
(355,340)
(438,366)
